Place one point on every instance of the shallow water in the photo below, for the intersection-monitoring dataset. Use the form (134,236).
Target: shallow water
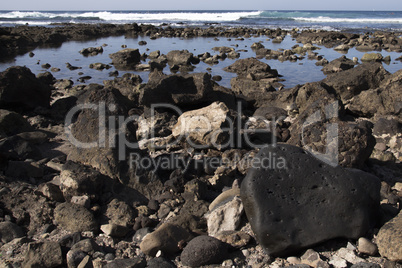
(294,73)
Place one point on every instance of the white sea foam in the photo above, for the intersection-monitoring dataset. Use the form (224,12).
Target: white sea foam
(137,16)
(357,20)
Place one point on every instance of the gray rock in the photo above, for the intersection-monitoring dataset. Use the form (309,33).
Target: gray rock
(120,213)
(166,238)
(181,57)
(74,218)
(128,84)
(350,83)
(365,246)
(87,246)
(338,65)
(43,254)
(353,143)
(389,239)
(252,66)
(10,231)
(126,59)
(154,54)
(114,230)
(294,200)
(383,99)
(203,250)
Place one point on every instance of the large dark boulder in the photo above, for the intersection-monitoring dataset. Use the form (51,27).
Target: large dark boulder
(181,90)
(293,200)
(350,83)
(320,128)
(103,155)
(20,89)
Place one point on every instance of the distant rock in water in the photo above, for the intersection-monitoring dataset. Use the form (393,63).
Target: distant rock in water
(293,200)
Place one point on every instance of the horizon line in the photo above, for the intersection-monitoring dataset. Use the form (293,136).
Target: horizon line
(181,10)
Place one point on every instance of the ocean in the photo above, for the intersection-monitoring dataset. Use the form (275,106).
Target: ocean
(351,21)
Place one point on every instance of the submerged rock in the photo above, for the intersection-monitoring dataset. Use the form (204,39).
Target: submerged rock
(294,200)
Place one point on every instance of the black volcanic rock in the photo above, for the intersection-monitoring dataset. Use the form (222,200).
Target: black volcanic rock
(293,200)
(20,89)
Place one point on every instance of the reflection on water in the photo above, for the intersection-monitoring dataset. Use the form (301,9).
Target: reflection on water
(294,73)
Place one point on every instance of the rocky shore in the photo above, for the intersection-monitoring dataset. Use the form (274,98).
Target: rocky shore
(183,172)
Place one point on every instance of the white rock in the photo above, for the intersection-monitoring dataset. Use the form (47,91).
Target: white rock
(338,262)
(225,217)
(348,255)
(293,260)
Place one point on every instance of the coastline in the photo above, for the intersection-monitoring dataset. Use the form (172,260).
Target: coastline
(163,189)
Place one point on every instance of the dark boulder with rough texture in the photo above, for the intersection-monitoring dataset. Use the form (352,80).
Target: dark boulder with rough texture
(74,218)
(181,57)
(293,200)
(127,84)
(252,66)
(350,83)
(338,65)
(102,155)
(20,89)
(349,144)
(126,59)
(384,100)
(182,90)
(12,123)
(204,250)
